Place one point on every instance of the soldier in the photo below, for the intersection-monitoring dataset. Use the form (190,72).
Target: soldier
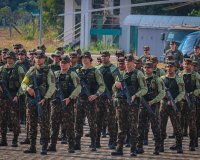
(92,87)
(55,66)
(61,49)
(74,61)
(192,89)
(119,54)
(17,47)
(31,56)
(121,64)
(138,63)
(177,55)
(157,71)
(128,114)
(11,77)
(99,60)
(25,63)
(70,87)
(175,85)
(1,58)
(196,56)
(146,55)
(79,53)
(4,52)
(153,97)
(39,84)
(105,104)
(48,59)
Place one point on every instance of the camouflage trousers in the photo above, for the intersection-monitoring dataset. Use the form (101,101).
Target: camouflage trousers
(104,108)
(175,117)
(191,115)
(198,117)
(6,111)
(127,118)
(144,119)
(184,118)
(43,120)
(85,107)
(64,116)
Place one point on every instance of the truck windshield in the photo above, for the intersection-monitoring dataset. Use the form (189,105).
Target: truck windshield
(188,43)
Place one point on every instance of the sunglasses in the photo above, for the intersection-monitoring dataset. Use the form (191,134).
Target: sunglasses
(147,67)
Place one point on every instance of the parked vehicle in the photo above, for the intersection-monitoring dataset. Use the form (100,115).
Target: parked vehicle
(189,42)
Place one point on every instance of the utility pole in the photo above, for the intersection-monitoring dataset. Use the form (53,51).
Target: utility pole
(41,6)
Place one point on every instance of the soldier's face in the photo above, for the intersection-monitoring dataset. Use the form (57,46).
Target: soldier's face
(122,66)
(148,70)
(21,57)
(74,59)
(39,60)
(105,59)
(170,69)
(129,64)
(86,60)
(173,46)
(196,51)
(64,65)
(56,59)
(138,65)
(187,66)
(10,61)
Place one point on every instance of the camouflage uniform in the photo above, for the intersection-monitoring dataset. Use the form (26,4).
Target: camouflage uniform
(177,56)
(126,114)
(176,87)
(10,79)
(154,95)
(70,87)
(105,106)
(54,66)
(192,87)
(95,85)
(46,82)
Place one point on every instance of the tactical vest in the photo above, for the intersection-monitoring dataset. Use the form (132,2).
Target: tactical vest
(108,77)
(190,82)
(88,76)
(152,88)
(66,83)
(11,77)
(172,85)
(25,65)
(157,72)
(132,81)
(41,78)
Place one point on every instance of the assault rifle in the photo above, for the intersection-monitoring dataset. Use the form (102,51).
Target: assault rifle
(59,95)
(170,98)
(187,98)
(147,106)
(7,93)
(85,88)
(124,86)
(37,97)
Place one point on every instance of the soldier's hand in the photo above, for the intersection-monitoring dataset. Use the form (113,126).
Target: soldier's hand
(92,97)
(42,102)
(67,100)
(118,85)
(150,103)
(15,99)
(133,98)
(31,92)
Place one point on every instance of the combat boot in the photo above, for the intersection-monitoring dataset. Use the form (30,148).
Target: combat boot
(14,141)
(25,141)
(44,149)
(31,149)
(87,134)
(192,145)
(118,152)
(52,148)
(64,140)
(77,145)
(172,136)
(179,147)
(133,151)
(173,148)
(140,150)
(71,149)
(98,144)
(157,149)
(3,141)
(93,144)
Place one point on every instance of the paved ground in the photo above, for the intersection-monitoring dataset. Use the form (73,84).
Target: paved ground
(9,153)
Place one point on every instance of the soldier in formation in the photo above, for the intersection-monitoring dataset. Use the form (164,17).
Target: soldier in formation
(129,97)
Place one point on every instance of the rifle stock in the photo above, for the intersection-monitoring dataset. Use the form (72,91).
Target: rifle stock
(170,98)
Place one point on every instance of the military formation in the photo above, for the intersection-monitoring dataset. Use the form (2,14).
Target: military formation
(120,101)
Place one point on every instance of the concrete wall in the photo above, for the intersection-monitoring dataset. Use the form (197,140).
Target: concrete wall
(151,37)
